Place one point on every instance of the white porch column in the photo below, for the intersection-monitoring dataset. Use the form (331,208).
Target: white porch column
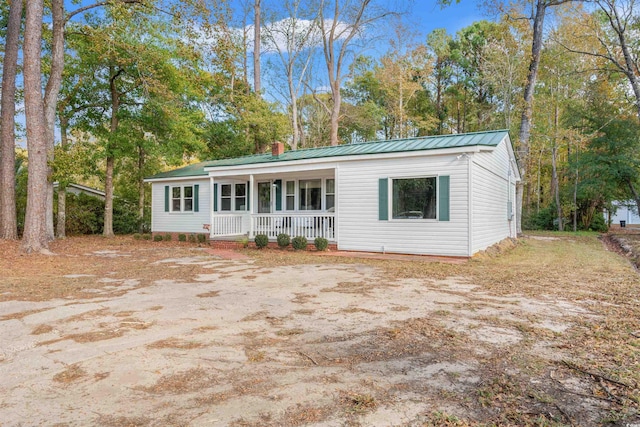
(252,205)
(211,204)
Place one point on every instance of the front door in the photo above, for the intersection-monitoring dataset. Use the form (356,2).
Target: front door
(264,197)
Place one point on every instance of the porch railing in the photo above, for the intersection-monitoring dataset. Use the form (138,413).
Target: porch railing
(307,225)
(226,225)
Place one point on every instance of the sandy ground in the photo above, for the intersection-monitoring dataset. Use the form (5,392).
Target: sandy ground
(239,344)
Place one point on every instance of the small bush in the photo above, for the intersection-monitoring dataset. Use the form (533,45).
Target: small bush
(157,238)
(137,236)
(192,238)
(598,223)
(202,238)
(284,240)
(321,243)
(167,237)
(182,237)
(146,236)
(299,243)
(243,241)
(261,240)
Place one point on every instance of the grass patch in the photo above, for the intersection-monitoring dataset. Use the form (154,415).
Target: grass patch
(176,343)
(71,374)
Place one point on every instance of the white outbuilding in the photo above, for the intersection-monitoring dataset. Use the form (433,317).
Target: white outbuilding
(625,212)
(450,195)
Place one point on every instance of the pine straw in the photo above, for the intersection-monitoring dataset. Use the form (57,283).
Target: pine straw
(37,277)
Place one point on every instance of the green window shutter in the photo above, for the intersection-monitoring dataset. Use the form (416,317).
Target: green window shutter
(248,195)
(278,183)
(196,198)
(443,198)
(383,199)
(166,198)
(215,197)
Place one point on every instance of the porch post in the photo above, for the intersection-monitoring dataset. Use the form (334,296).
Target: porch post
(252,205)
(211,204)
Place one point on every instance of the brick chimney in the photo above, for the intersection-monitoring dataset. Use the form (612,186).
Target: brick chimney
(277,148)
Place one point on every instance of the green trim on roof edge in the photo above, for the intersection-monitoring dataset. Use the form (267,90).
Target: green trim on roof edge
(488,138)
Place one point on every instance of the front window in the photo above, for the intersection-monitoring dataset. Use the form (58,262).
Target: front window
(310,195)
(176,199)
(225,197)
(241,197)
(182,199)
(188,198)
(414,198)
(330,194)
(291,195)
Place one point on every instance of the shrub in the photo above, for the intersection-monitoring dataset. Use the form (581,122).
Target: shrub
(157,238)
(261,240)
(146,236)
(284,240)
(321,243)
(137,236)
(299,243)
(167,237)
(182,237)
(202,238)
(192,238)
(84,214)
(598,223)
(243,241)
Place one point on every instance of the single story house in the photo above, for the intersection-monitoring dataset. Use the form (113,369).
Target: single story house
(626,211)
(450,195)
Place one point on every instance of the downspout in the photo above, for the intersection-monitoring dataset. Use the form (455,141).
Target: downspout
(211,205)
(470,203)
(336,213)
(509,201)
(252,205)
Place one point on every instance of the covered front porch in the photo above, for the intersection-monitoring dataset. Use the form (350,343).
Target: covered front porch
(297,203)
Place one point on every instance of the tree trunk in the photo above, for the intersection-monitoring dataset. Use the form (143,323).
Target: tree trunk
(61,229)
(35,230)
(630,66)
(335,112)
(108,198)
(526,119)
(8,218)
(256,47)
(294,118)
(140,190)
(107,230)
(50,100)
(556,185)
(636,197)
(575,202)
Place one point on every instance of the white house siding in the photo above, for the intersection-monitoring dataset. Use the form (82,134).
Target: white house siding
(627,211)
(180,222)
(490,196)
(357,210)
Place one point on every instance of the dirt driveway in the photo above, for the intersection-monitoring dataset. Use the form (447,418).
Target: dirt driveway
(128,333)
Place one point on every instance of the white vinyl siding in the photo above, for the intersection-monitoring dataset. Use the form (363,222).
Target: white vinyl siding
(490,189)
(179,222)
(360,228)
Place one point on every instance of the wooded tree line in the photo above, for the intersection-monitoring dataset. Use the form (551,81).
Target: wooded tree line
(117,90)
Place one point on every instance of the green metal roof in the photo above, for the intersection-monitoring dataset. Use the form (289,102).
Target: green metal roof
(489,138)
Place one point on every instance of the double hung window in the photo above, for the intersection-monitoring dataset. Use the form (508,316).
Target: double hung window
(414,198)
(182,199)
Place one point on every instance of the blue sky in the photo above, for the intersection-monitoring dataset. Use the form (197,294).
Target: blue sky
(427,15)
